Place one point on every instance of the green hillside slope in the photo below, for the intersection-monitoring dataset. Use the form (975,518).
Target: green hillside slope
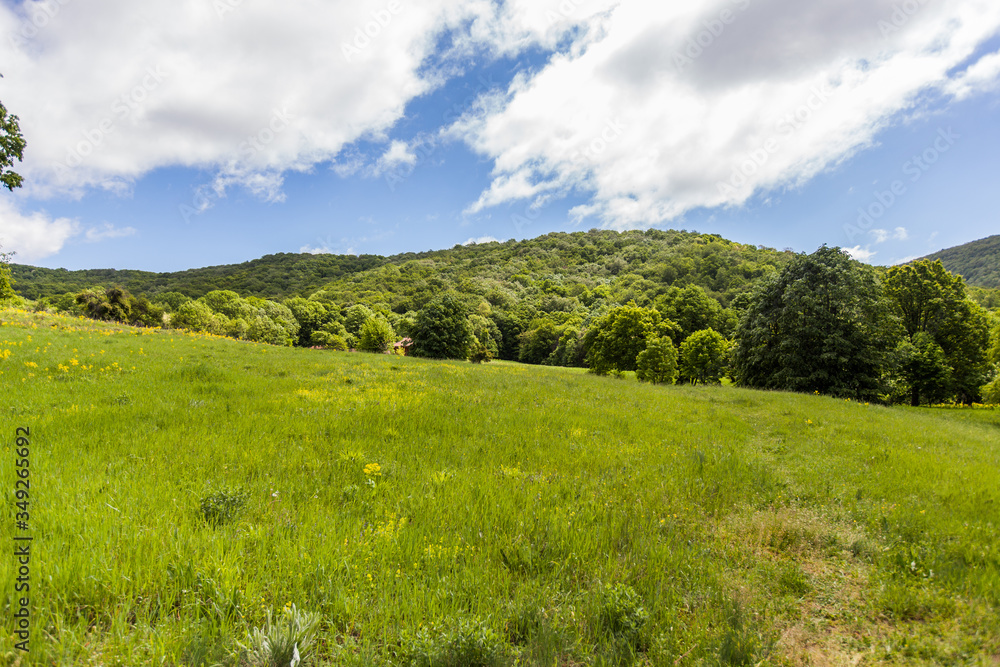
(185,489)
(978,262)
(584,259)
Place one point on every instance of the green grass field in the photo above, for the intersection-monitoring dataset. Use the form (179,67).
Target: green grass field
(185,488)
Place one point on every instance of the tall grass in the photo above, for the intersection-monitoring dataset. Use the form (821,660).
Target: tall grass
(187,489)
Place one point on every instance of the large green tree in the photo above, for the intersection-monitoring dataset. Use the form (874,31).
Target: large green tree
(932,300)
(442,330)
(924,367)
(821,324)
(614,341)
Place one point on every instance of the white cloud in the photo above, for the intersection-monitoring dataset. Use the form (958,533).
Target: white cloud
(397,154)
(33,236)
(670,106)
(481,239)
(109,90)
(647,107)
(881,235)
(860,254)
(108,231)
(316,250)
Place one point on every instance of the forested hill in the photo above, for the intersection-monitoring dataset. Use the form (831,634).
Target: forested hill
(561,269)
(978,262)
(272,276)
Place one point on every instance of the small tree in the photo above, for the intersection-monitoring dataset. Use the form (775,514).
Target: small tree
(703,357)
(376,335)
(480,352)
(6,279)
(442,330)
(658,362)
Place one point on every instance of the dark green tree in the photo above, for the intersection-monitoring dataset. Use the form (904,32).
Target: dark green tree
(924,367)
(311,316)
(703,357)
(442,330)
(932,300)
(538,343)
(821,324)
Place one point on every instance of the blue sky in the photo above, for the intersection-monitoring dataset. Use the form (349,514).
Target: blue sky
(164,137)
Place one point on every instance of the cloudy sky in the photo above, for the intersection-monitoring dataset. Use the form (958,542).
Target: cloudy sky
(171,134)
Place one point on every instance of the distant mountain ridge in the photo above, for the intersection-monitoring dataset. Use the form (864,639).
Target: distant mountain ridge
(978,262)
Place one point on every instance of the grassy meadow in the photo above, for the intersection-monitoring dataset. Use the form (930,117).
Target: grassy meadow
(186,489)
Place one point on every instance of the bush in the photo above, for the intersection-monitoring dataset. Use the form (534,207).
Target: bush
(622,613)
(376,335)
(223,506)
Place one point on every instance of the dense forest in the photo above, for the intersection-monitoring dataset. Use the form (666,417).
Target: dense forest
(668,305)
(273,277)
(978,262)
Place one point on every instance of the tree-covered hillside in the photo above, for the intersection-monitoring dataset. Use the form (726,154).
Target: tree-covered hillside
(632,262)
(978,262)
(271,276)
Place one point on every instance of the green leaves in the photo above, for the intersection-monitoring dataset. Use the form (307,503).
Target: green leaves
(12,146)
(615,341)
(442,330)
(820,325)
(933,301)
(703,357)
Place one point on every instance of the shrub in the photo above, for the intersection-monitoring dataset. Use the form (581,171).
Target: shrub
(376,335)
(622,615)
(223,506)
(471,643)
